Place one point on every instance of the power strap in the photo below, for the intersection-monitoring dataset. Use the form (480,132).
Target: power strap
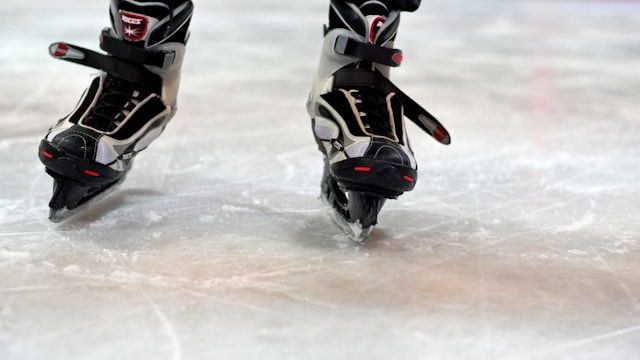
(122,69)
(349,78)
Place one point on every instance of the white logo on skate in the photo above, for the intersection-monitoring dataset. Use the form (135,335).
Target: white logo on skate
(132,21)
(134,26)
(131,32)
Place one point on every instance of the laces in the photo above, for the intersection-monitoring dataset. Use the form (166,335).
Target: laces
(118,98)
(372,106)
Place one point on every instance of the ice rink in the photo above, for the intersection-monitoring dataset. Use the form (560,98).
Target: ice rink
(521,241)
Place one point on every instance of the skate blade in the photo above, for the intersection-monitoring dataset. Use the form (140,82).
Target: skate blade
(62,215)
(354,232)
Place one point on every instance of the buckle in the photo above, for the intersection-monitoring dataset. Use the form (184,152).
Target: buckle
(169,60)
(341,45)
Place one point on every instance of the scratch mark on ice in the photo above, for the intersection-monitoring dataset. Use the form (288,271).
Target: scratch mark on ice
(168,329)
(580,342)
(587,220)
(41,90)
(622,284)
(506,205)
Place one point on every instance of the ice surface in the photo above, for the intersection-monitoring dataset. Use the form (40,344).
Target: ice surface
(520,242)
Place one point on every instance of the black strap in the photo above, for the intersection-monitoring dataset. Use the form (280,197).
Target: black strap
(349,78)
(402,5)
(120,49)
(119,68)
(378,54)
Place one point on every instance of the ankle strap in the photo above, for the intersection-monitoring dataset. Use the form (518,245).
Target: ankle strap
(400,5)
(122,50)
(348,46)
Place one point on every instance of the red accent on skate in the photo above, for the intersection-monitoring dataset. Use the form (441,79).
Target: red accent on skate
(440,134)
(376,24)
(409,179)
(91,173)
(398,58)
(362,169)
(47,155)
(134,26)
(61,50)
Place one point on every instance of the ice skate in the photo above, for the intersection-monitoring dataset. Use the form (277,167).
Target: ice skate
(126,107)
(358,115)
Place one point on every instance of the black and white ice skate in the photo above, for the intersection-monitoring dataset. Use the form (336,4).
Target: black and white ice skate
(358,116)
(126,107)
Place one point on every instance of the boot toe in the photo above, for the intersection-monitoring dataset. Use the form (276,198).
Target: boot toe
(76,142)
(388,151)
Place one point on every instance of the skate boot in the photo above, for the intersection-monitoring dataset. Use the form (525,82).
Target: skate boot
(126,107)
(358,114)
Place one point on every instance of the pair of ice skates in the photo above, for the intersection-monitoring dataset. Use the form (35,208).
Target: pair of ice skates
(357,113)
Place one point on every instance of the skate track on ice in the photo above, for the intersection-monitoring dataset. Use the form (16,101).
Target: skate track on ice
(521,241)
